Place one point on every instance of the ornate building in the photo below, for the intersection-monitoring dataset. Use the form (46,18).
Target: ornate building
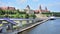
(28,10)
(41,10)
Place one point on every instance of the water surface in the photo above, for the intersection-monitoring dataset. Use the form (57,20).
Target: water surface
(49,27)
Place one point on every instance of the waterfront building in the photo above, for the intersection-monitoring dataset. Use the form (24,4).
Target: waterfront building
(40,10)
(28,10)
(7,8)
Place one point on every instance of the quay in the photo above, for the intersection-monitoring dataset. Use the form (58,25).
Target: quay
(26,28)
(33,25)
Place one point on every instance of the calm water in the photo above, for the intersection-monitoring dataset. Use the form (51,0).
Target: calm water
(49,27)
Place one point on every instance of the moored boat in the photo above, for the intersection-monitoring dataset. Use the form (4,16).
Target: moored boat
(52,18)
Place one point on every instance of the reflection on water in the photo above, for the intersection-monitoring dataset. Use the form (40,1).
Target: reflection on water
(49,27)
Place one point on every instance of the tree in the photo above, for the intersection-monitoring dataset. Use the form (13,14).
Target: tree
(27,16)
(34,16)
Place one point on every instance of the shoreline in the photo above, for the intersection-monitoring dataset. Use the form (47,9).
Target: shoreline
(34,25)
(28,27)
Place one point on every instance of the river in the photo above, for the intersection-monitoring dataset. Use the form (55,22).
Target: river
(49,27)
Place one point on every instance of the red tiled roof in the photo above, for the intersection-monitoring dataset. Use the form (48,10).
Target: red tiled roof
(41,11)
(7,8)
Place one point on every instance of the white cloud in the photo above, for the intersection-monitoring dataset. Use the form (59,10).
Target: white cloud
(35,0)
(21,1)
(2,3)
(54,4)
(49,5)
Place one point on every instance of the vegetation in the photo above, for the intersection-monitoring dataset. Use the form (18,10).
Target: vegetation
(57,14)
(47,14)
(15,14)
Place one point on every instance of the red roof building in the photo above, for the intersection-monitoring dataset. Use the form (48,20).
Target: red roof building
(7,8)
(41,10)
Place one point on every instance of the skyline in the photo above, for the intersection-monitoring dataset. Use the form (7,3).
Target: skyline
(52,5)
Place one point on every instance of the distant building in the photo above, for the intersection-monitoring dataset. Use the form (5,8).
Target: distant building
(11,8)
(28,10)
(41,10)
(7,8)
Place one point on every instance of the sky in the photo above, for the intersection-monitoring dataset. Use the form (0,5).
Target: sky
(52,5)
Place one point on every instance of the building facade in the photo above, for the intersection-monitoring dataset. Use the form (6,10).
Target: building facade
(28,10)
(7,8)
(40,10)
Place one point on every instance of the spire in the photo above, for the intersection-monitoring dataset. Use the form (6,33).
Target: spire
(40,8)
(27,7)
(46,8)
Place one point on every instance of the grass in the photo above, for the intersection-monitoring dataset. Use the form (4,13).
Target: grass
(1,24)
(16,15)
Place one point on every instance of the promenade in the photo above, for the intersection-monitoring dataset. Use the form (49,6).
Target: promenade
(25,27)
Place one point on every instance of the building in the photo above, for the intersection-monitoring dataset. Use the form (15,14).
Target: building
(7,8)
(41,10)
(11,8)
(28,10)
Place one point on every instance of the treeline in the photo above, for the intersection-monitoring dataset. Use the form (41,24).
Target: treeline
(2,12)
(57,14)
(15,14)
(47,14)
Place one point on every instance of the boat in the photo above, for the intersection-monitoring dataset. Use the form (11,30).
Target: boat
(52,18)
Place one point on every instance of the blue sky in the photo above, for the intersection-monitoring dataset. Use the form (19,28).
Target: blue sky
(53,5)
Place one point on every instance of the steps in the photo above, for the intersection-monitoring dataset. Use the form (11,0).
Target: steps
(40,16)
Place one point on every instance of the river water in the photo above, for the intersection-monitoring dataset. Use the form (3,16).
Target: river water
(49,27)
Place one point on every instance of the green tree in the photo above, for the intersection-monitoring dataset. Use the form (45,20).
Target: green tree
(27,16)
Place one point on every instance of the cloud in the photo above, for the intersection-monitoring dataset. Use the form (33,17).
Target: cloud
(6,4)
(49,4)
(2,3)
(21,1)
(35,0)
(54,4)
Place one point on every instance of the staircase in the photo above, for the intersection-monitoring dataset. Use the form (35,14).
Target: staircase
(40,16)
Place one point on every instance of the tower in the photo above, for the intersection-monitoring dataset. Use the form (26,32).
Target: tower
(28,7)
(40,9)
(46,9)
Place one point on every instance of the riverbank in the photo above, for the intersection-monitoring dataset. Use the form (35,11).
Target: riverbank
(26,27)
(48,27)
(33,25)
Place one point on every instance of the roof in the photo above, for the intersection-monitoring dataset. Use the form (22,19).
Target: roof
(41,11)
